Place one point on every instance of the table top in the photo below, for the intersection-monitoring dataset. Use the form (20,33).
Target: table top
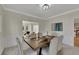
(41,42)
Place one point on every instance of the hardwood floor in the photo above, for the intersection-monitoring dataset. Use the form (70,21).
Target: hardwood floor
(76,41)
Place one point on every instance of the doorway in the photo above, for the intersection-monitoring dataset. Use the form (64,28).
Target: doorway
(76,31)
(30,26)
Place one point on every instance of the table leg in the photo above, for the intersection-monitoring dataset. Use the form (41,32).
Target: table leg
(40,51)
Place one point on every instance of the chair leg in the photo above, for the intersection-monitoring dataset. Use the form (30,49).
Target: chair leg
(60,52)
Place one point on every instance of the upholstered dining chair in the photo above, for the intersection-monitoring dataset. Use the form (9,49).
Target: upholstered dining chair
(29,51)
(52,49)
(60,45)
(20,48)
(53,46)
(60,37)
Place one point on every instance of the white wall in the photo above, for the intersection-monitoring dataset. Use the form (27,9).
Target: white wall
(1,39)
(68,29)
(13,26)
(1,32)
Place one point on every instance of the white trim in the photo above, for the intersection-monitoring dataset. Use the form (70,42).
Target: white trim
(26,14)
(2,6)
(64,13)
(22,13)
(1,51)
(67,12)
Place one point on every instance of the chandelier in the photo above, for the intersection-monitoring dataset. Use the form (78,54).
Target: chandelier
(45,6)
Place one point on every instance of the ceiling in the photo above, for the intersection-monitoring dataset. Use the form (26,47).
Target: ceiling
(35,10)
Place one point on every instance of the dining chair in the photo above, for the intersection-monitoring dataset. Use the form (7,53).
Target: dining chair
(60,37)
(52,49)
(20,50)
(28,51)
(60,45)
(53,46)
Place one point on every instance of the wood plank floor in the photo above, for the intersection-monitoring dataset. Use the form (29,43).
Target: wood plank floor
(76,41)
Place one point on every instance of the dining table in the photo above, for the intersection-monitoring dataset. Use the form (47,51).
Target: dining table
(42,42)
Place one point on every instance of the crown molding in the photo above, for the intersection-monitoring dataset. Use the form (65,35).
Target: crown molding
(26,14)
(64,13)
(22,13)
(3,6)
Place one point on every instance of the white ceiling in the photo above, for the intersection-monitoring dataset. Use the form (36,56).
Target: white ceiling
(35,10)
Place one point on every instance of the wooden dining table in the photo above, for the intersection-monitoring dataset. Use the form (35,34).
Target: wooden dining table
(42,42)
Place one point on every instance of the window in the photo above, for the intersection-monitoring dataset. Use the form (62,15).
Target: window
(36,28)
(58,27)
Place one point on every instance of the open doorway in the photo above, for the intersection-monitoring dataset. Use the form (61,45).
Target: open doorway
(30,27)
(76,31)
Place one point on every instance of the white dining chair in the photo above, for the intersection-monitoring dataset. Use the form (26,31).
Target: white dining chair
(28,51)
(60,37)
(52,49)
(20,50)
(53,46)
(60,45)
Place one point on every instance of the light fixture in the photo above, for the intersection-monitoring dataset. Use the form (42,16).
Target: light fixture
(45,6)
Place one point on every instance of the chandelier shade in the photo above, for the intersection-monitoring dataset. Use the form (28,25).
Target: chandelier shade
(45,6)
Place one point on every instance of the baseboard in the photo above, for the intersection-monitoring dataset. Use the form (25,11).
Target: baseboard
(11,46)
(2,50)
(2,53)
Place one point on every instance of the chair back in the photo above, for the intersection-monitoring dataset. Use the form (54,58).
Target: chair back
(53,46)
(20,49)
(60,44)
